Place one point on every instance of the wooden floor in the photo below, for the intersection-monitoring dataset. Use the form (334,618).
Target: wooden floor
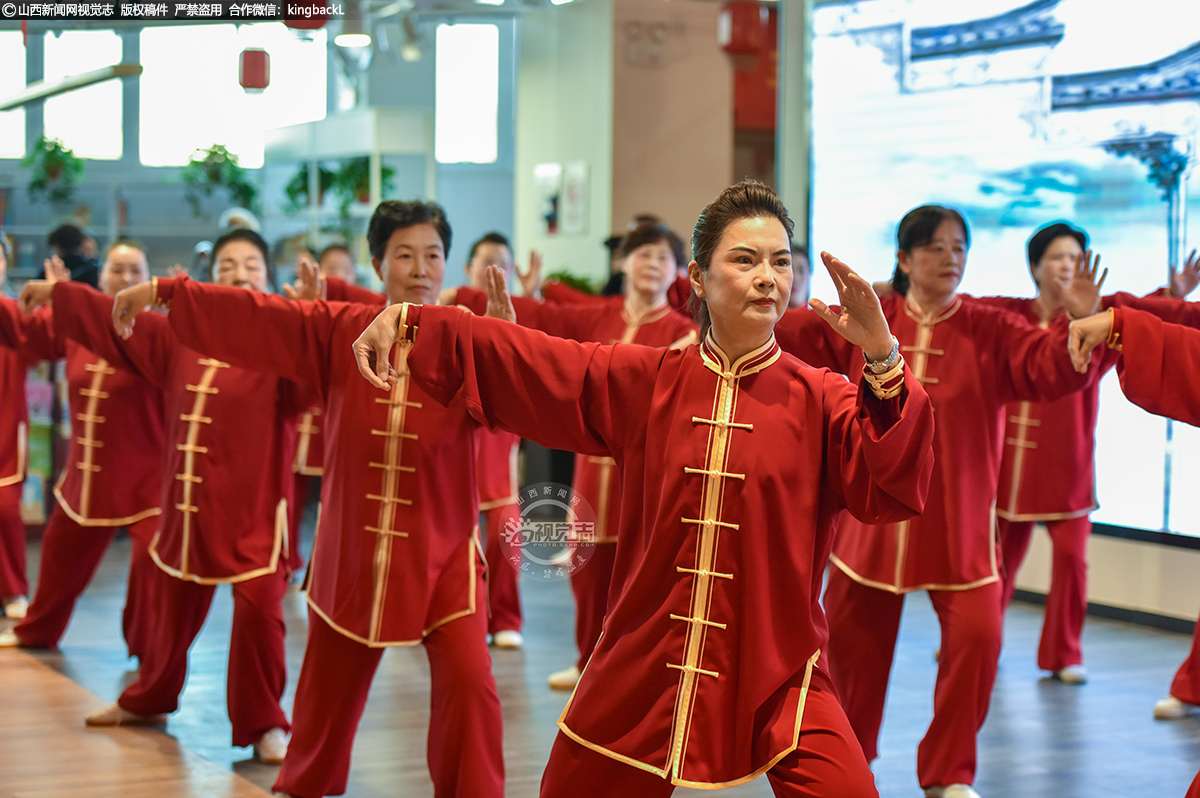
(1042,739)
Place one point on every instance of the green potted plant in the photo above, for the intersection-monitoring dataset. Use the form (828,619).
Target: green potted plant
(55,169)
(216,168)
(352,182)
(297,189)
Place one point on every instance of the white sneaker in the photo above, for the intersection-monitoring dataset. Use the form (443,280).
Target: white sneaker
(16,607)
(1171,708)
(566,679)
(1072,674)
(508,638)
(952,791)
(272,747)
(116,715)
(9,639)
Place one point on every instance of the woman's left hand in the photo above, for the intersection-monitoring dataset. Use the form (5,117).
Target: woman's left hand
(861,320)
(373,349)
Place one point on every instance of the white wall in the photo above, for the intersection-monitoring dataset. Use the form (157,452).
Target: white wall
(672,112)
(1127,574)
(564,114)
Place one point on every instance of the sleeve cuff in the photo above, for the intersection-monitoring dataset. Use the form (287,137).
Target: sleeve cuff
(1118,329)
(164,290)
(406,325)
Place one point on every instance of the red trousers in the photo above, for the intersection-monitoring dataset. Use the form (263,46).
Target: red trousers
(863,625)
(1186,685)
(464,752)
(827,764)
(70,555)
(1066,603)
(257,672)
(12,543)
(590,585)
(504,594)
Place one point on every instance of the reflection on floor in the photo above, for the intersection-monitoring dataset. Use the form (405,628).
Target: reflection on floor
(1041,739)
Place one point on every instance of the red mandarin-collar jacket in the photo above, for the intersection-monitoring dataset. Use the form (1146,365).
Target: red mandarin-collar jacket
(973,360)
(1048,468)
(396,551)
(496,468)
(733,474)
(14,418)
(225,480)
(112,475)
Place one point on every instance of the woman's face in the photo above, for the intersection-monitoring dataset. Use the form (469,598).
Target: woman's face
(1054,271)
(241,264)
(936,268)
(749,280)
(413,265)
(649,270)
(124,268)
(489,253)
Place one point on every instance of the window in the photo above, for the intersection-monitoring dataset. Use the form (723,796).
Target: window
(89,120)
(186,107)
(467,93)
(12,80)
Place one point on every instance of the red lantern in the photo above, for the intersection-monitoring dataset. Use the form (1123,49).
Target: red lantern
(742,28)
(306,14)
(255,72)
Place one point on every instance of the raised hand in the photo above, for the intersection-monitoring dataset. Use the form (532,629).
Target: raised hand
(861,320)
(499,304)
(127,304)
(1085,335)
(373,348)
(310,283)
(1082,297)
(1182,282)
(56,270)
(531,278)
(35,294)
(178,270)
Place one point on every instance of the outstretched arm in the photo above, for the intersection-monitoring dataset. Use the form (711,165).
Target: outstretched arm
(85,315)
(1159,361)
(252,329)
(563,394)
(32,336)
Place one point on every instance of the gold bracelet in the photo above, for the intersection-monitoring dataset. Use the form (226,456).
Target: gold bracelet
(154,289)
(1114,338)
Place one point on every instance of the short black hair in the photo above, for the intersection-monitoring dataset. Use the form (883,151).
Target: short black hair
(489,238)
(393,215)
(652,233)
(66,238)
(916,229)
(335,248)
(1040,241)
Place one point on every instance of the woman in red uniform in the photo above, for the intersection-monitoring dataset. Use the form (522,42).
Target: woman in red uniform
(112,475)
(224,507)
(972,359)
(14,441)
(735,460)
(396,558)
(1158,365)
(1047,472)
(649,254)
